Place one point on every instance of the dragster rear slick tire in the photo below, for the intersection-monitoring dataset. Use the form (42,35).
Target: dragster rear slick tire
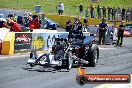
(32,65)
(92,57)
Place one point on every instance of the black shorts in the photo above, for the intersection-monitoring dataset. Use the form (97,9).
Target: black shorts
(60,11)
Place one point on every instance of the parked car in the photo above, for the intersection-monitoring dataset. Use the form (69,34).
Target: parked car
(51,24)
(128,30)
(2,20)
(2,17)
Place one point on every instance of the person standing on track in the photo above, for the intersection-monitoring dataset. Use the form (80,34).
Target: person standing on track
(102,31)
(120,35)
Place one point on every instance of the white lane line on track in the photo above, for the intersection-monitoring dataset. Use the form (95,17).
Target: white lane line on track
(107,48)
(8,57)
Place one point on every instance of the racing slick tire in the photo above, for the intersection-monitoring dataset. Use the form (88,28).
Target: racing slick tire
(69,60)
(31,55)
(93,56)
(32,65)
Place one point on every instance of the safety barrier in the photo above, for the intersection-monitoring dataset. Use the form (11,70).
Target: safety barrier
(91,21)
(62,19)
(0,45)
(8,44)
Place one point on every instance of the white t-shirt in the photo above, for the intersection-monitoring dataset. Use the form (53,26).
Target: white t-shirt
(115,34)
(61,6)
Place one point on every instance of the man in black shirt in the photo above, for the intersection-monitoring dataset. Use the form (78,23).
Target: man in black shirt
(104,12)
(109,12)
(68,25)
(120,35)
(99,12)
(123,13)
(81,8)
(79,25)
(92,11)
(102,31)
(113,13)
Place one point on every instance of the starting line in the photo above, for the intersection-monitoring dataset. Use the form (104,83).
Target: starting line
(106,47)
(101,48)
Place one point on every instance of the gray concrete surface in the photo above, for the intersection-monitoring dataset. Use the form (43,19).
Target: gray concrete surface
(15,73)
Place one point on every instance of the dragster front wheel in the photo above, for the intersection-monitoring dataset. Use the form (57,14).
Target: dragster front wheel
(32,65)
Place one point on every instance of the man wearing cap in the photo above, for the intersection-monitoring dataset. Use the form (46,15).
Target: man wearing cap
(120,35)
(102,31)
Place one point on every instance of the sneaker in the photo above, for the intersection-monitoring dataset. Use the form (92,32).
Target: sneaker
(120,45)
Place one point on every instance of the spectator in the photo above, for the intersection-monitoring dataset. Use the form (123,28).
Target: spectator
(79,25)
(75,26)
(70,21)
(92,11)
(104,12)
(68,25)
(60,8)
(81,8)
(85,24)
(86,13)
(99,12)
(128,17)
(31,23)
(123,13)
(14,17)
(113,13)
(36,22)
(13,26)
(109,12)
(102,31)
(85,21)
(24,23)
(130,14)
(43,21)
(118,12)
(10,17)
(120,35)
